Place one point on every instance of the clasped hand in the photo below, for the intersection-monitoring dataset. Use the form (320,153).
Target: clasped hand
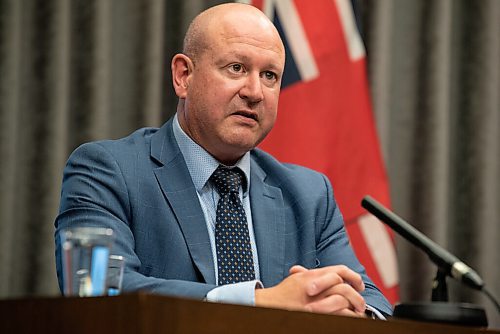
(332,290)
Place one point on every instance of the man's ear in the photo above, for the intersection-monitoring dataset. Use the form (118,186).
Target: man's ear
(182,68)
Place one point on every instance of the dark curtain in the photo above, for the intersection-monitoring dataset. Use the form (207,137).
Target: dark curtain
(72,71)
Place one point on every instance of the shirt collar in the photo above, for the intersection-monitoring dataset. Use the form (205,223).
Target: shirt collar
(200,163)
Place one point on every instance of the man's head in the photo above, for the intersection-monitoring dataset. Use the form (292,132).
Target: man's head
(228,79)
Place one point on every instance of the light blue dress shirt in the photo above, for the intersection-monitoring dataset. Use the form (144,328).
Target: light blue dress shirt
(201,165)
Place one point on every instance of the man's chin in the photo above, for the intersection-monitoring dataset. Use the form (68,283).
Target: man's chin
(234,150)
(243,139)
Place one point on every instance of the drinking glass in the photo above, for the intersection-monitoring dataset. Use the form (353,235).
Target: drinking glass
(85,257)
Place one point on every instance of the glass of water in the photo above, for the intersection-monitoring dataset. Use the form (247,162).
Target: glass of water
(85,257)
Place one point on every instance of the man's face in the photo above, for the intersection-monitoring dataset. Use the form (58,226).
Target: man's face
(233,91)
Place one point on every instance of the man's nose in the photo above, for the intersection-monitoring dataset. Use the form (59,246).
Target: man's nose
(252,89)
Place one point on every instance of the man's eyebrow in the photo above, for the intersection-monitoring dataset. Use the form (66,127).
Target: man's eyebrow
(244,58)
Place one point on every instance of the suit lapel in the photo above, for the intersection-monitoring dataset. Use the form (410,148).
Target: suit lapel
(268,221)
(177,186)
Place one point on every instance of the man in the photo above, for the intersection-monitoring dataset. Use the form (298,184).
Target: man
(159,189)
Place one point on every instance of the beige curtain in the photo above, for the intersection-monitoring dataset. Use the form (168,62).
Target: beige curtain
(78,70)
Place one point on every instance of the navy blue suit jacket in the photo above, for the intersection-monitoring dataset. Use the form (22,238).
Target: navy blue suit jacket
(141,188)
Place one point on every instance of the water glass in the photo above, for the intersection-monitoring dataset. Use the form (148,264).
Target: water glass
(85,257)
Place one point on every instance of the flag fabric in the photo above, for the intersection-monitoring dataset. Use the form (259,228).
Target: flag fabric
(325,121)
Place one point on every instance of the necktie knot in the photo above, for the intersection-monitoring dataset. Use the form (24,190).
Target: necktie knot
(227,180)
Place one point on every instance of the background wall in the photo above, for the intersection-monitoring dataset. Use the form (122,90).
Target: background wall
(80,70)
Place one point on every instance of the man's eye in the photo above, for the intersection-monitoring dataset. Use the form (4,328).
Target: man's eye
(270,75)
(236,67)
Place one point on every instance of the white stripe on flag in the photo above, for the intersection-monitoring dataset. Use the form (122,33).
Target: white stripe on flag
(381,248)
(268,8)
(295,35)
(355,45)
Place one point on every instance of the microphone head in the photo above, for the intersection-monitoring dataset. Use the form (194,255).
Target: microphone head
(466,274)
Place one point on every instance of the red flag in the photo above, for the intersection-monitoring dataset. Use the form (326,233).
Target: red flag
(325,121)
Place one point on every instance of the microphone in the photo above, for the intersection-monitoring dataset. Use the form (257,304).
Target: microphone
(448,263)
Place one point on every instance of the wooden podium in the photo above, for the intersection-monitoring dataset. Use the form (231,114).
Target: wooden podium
(147,314)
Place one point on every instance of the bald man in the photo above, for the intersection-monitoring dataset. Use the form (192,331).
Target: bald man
(157,190)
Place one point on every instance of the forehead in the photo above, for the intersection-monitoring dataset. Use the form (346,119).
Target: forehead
(251,40)
(256,36)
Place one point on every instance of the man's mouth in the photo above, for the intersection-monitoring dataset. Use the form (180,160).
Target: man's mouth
(247,114)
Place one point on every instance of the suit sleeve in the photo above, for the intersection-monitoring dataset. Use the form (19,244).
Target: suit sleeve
(334,248)
(94,193)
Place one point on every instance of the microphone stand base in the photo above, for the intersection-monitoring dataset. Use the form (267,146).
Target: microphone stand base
(449,313)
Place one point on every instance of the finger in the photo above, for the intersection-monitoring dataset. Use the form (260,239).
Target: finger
(322,282)
(330,305)
(352,277)
(355,300)
(350,313)
(297,269)
(348,275)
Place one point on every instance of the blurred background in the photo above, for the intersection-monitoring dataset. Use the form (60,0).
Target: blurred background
(73,71)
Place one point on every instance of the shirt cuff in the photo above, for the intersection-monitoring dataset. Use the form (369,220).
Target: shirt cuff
(373,313)
(242,293)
